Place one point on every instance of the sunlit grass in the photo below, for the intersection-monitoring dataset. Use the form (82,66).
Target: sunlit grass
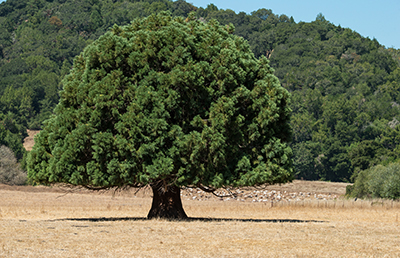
(55,224)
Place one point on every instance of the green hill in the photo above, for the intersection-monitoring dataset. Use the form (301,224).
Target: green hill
(345,88)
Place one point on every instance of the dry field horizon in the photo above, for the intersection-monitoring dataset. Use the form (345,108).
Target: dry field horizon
(60,222)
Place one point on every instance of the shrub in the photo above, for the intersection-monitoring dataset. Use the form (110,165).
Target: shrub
(376,178)
(391,188)
(360,187)
(10,171)
(377,182)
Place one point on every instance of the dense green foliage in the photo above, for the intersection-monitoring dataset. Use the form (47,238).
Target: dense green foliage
(345,88)
(12,134)
(345,100)
(377,182)
(167,99)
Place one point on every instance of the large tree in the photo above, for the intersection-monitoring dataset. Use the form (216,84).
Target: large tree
(167,102)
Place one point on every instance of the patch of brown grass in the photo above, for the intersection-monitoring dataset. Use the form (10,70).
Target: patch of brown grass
(81,224)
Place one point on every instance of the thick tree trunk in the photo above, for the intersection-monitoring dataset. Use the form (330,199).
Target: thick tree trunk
(167,202)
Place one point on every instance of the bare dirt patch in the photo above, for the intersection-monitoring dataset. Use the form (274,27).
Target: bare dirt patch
(54,223)
(29,141)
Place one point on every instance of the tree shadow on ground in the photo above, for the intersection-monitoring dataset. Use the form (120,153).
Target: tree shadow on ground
(103,219)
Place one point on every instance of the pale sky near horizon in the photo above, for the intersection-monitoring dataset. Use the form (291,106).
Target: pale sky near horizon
(373,19)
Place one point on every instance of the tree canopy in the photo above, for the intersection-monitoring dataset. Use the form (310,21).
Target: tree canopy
(169,102)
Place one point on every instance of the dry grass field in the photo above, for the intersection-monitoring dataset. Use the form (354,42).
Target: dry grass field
(53,222)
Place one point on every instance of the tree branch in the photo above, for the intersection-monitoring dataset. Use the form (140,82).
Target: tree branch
(212,190)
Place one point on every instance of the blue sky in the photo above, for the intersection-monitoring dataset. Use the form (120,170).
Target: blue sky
(373,19)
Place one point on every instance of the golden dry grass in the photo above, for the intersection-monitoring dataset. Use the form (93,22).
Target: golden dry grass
(40,222)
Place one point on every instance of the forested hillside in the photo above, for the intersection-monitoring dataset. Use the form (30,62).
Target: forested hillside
(345,88)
